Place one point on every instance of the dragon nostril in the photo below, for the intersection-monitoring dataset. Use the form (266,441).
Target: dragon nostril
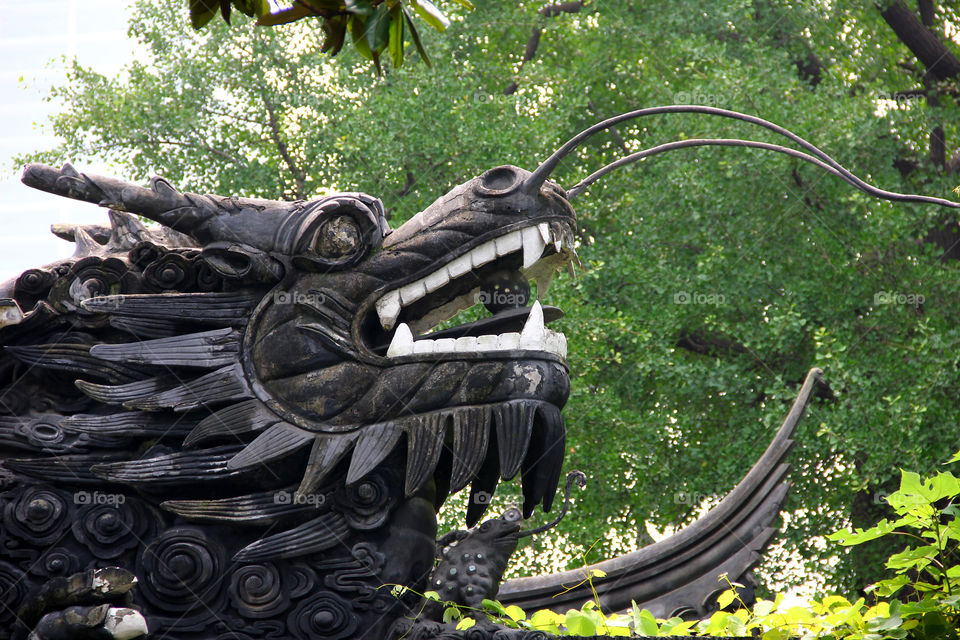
(500,181)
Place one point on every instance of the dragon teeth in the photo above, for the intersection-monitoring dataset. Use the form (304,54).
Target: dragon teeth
(533,246)
(531,241)
(412,292)
(483,254)
(459,266)
(544,230)
(535,337)
(436,280)
(534,331)
(509,243)
(508,341)
(388,308)
(402,343)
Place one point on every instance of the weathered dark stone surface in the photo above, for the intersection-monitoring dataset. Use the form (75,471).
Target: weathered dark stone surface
(234,408)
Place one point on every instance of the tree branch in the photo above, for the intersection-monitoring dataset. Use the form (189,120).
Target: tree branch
(277,137)
(156,142)
(940,61)
(533,42)
(614,132)
(927,11)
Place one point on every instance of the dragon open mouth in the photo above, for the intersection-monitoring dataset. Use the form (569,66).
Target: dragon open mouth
(477,276)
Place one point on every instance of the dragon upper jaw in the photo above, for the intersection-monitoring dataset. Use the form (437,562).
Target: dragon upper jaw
(538,249)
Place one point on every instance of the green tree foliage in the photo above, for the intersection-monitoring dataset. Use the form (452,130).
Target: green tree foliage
(714,278)
(376,27)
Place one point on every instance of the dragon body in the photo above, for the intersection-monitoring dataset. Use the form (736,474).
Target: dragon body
(234,407)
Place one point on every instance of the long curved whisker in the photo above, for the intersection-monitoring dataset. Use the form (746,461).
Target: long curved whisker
(824,162)
(547,167)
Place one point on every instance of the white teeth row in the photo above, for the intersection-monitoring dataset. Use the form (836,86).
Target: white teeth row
(534,337)
(532,240)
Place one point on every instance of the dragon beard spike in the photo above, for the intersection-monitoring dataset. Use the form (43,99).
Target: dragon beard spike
(125,230)
(86,245)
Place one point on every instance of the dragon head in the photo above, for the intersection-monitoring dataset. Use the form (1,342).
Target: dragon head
(339,350)
(342,345)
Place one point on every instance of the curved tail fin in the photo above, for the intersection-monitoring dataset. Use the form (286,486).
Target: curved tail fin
(680,574)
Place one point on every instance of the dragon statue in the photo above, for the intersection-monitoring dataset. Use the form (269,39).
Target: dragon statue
(241,423)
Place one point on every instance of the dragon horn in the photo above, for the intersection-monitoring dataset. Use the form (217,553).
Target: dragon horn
(185,212)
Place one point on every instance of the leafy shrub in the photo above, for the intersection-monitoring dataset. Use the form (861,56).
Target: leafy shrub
(921,601)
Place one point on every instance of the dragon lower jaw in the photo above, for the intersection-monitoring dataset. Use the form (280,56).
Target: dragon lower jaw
(534,337)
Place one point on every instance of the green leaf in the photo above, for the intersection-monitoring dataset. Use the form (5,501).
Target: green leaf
(646,624)
(859,536)
(546,620)
(913,558)
(494,606)
(396,36)
(450,614)
(415,36)
(247,7)
(429,12)
(336,32)
(886,588)
(579,624)
(378,28)
(726,598)
(465,623)
(936,625)
(515,613)
(357,26)
(202,11)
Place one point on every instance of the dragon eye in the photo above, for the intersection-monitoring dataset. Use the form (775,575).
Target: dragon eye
(337,238)
(336,231)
